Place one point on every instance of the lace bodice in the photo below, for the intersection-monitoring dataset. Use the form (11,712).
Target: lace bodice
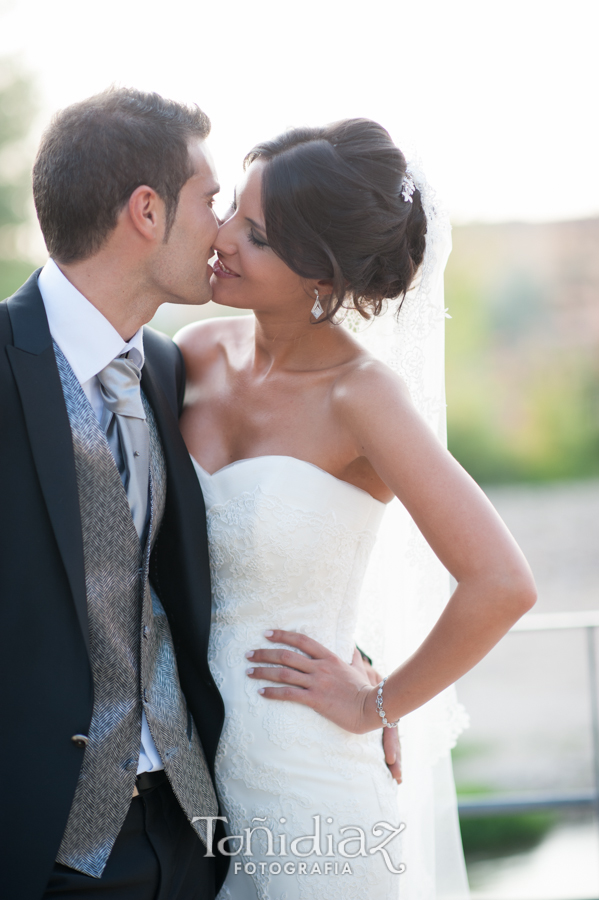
(289,544)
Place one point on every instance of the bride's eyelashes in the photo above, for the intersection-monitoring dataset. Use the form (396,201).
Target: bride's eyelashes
(255,241)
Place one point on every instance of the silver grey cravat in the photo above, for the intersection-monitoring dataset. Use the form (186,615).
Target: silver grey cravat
(124,421)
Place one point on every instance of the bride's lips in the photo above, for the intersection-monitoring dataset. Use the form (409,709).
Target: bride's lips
(222,271)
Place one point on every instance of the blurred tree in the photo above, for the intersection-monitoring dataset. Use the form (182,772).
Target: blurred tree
(522,351)
(17,109)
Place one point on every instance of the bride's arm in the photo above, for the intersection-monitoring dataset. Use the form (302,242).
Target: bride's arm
(494,583)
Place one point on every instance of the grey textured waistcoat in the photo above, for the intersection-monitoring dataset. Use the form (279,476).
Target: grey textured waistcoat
(131,651)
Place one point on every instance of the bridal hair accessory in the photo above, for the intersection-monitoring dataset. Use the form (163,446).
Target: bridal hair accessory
(317,309)
(407,188)
(379,707)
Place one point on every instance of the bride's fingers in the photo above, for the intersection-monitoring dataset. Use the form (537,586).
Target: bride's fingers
(301,642)
(295,694)
(358,662)
(392,750)
(284,675)
(280,657)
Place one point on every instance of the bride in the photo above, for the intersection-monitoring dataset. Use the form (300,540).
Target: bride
(300,438)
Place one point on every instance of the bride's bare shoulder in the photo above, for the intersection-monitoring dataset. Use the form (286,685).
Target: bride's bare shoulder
(201,343)
(367,384)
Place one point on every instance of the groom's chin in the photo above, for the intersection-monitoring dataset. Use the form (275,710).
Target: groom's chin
(207,291)
(198,296)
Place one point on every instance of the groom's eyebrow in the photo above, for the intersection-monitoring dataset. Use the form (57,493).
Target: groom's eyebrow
(215,189)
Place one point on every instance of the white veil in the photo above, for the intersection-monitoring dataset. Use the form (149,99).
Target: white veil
(406,587)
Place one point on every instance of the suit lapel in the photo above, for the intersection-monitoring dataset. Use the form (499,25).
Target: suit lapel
(34,367)
(184,518)
(167,424)
(183,487)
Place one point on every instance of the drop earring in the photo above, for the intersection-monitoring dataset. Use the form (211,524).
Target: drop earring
(317,309)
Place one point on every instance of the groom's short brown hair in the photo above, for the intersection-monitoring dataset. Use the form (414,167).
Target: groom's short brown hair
(97,152)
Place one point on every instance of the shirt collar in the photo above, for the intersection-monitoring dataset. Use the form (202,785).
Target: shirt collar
(85,336)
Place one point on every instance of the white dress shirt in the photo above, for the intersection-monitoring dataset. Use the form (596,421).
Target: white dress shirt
(89,343)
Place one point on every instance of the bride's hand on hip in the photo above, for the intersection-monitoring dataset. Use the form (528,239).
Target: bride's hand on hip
(319,679)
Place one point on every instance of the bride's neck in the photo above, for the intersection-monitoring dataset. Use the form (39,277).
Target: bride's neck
(294,343)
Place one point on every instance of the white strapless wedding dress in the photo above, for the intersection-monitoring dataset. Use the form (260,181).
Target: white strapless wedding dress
(289,544)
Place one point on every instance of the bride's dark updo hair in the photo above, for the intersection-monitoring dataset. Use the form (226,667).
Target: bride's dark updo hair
(333,209)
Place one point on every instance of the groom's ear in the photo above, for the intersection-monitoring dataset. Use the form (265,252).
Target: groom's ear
(146,213)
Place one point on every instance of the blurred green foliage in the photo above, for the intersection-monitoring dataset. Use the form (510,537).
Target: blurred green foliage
(523,401)
(485,837)
(17,110)
(13,273)
(488,837)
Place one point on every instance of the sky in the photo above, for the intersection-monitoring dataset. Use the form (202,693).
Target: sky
(498,99)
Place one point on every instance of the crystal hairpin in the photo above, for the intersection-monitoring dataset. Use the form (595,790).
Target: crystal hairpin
(407,188)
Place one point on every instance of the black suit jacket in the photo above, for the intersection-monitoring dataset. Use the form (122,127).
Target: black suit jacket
(46,688)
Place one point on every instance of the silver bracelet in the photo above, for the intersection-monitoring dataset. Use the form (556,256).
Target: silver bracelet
(379,707)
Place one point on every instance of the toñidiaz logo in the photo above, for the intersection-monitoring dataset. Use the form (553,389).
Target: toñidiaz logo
(351,842)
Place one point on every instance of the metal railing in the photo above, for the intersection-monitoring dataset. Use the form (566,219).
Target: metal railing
(497,804)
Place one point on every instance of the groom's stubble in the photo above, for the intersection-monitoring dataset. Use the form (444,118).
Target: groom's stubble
(181,265)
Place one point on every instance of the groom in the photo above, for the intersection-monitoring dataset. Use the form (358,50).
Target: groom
(107,743)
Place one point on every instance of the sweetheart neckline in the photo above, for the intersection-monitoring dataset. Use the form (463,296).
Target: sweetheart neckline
(283,456)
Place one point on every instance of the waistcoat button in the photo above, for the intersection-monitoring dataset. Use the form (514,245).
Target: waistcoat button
(80,740)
